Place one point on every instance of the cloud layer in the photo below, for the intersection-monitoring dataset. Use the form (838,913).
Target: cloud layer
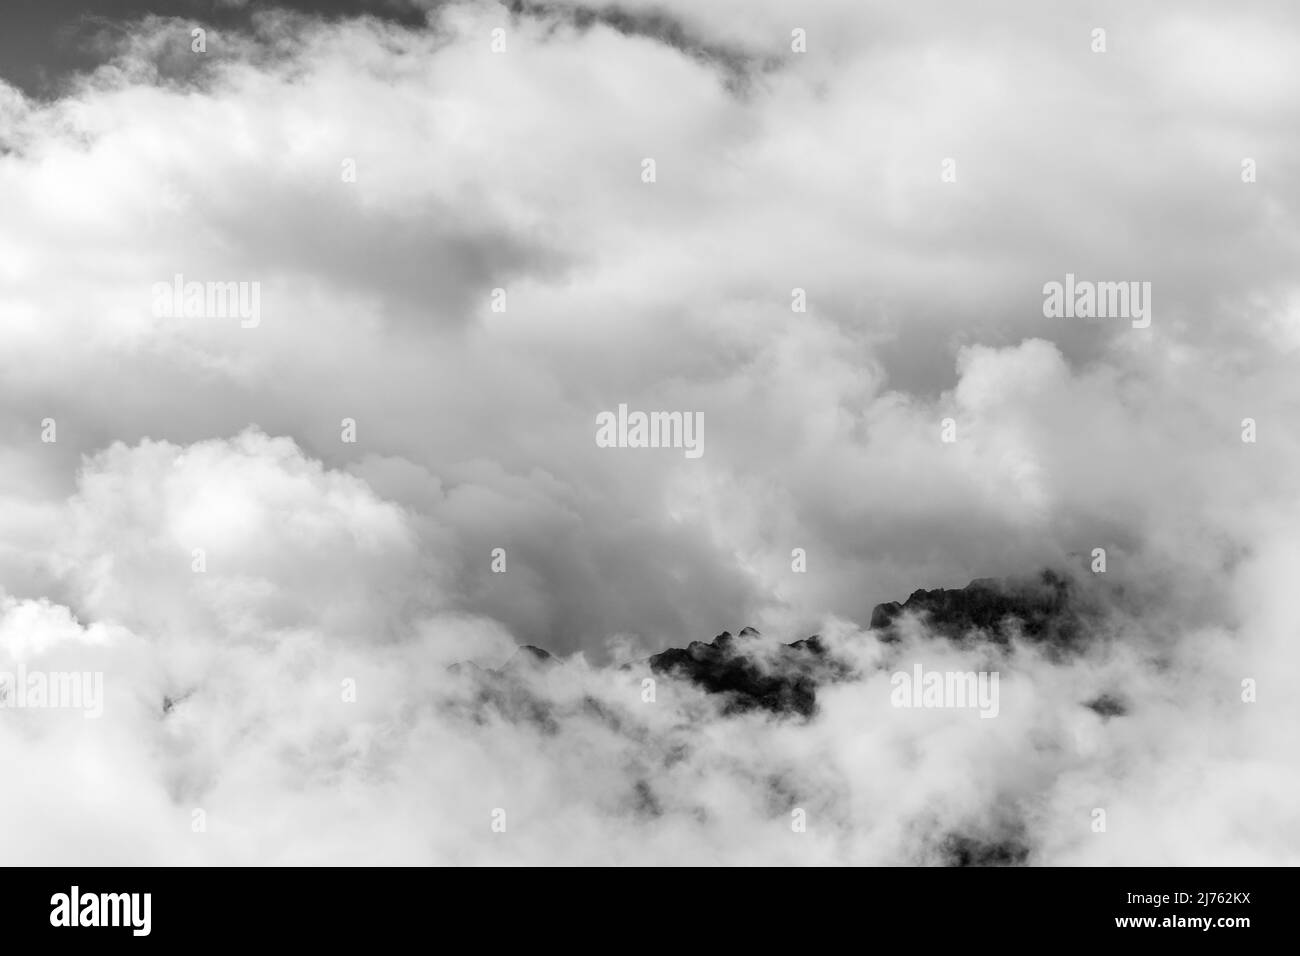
(325,561)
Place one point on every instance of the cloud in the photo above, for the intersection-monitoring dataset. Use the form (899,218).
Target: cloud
(329,560)
(227,693)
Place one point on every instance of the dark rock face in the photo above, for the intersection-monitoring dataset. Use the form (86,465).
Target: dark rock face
(783,679)
(1107,706)
(960,850)
(784,683)
(748,674)
(1041,609)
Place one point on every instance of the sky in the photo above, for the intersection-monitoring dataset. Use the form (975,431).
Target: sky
(919,171)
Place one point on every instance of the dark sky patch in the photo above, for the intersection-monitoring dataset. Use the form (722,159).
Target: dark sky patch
(45,42)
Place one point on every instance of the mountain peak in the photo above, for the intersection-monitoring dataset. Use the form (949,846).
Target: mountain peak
(784,678)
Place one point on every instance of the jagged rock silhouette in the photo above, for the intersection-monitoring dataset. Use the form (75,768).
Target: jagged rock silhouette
(1041,609)
(784,678)
(787,682)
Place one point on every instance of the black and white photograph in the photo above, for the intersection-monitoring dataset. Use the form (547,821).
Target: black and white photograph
(653,433)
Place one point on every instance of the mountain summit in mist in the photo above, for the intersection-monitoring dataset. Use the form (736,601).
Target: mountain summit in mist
(751,675)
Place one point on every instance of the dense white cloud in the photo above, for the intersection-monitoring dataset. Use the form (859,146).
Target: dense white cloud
(329,560)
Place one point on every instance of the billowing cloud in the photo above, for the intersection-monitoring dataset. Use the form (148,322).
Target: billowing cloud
(460,264)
